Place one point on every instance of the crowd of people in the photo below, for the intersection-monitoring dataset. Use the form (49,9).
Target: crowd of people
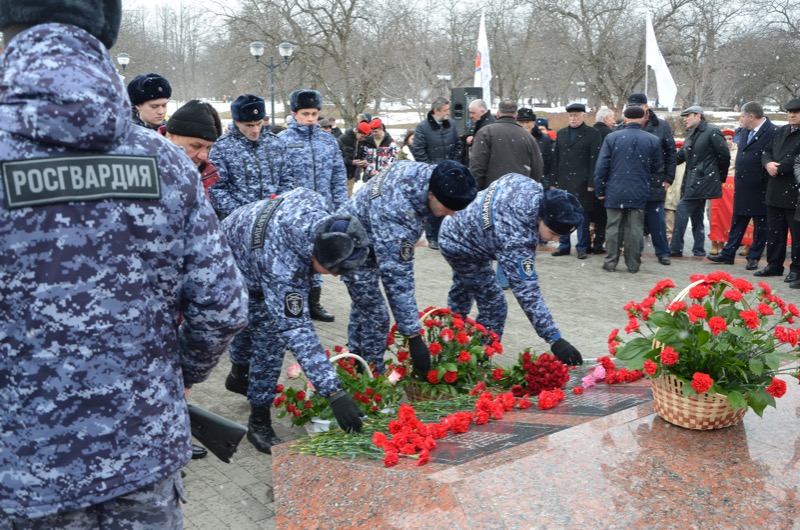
(140,248)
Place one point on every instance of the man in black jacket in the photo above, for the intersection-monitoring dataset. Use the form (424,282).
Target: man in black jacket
(781,198)
(707,159)
(349,143)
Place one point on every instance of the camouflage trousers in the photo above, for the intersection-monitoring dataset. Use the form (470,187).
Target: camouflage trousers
(155,506)
(369,317)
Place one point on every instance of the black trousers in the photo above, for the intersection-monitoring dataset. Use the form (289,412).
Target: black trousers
(781,223)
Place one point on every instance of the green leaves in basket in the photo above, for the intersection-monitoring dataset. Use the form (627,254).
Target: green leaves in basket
(635,352)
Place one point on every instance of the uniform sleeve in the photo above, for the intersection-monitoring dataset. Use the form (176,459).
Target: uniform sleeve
(519,266)
(213,296)
(420,146)
(479,157)
(287,179)
(394,239)
(220,193)
(338,178)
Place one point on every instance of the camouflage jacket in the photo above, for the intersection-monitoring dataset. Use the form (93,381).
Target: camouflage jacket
(248,171)
(102,254)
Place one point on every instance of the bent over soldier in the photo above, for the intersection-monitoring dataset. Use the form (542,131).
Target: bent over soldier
(505,223)
(392,207)
(279,244)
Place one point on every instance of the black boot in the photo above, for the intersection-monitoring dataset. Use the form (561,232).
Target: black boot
(238,380)
(315,307)
(259,429)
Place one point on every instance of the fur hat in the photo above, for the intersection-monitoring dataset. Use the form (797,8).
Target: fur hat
(576,107)
(453,185)
(637,98)
(305,99)
(101,18)
(341,244)
(197,120)
(148,86)
(560,211)
(633,113)
(542,121)
(248,107)
(526,114)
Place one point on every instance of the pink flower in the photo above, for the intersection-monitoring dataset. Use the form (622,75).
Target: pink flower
(294,371)
(599,373)
(393,377)
(588,381)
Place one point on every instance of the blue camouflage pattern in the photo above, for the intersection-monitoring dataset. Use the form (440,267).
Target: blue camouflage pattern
(248,171)
(278,276)
(392,207)
(94,356)
(501,224)
(317,162)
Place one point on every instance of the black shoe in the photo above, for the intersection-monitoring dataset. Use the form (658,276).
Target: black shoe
(599,251)
(633,271)
(589,250)
(607,269)
(433,244)
(183,474)
(768,271)
(752,264)
(664,261)
(675,254)
(792,277)
(794,285)
(238,379)
(259,430)
(559,252)
(315,308)
(581,254)
(720,259)
(198,452)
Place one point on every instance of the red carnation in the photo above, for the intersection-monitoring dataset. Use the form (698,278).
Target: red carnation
(462,338)
(717,325)
(669,356)
(464,357)
(750,318)
(450,377)
(696,312)
(279,389)
(308,404)
(765,309)
(650,367)
(497,375)
(391,459)
(301,395)
(733,295)
(578,390)
(435,348)
(676,306)
(777,388)
(402,356)
(433,377)
(701,382)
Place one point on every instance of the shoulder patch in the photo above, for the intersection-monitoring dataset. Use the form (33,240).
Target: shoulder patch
(406,251)
(260,226)
(526,268)
(487,219)
(377,182)
(80,178)
(293,305)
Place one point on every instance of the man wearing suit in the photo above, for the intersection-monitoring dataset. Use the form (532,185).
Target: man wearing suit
(577,147)
(781,197)
(750,187)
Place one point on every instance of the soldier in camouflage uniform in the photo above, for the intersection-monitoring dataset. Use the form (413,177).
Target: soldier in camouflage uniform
(318,166)
(278,245)
(149,94)
(392,207)
(107,239)
(505,223)
(252,162)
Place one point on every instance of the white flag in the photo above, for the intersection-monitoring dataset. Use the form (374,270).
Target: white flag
(483,70)
(653,58)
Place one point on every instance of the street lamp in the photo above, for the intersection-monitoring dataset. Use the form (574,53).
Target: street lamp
(285,49)
(123,59)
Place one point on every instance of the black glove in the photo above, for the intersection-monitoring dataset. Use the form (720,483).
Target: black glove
(420,356)
(566,352)
(346,412)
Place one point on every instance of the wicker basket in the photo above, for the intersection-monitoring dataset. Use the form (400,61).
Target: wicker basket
(701,411)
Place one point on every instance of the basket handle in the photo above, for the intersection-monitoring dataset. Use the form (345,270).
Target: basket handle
(357,358)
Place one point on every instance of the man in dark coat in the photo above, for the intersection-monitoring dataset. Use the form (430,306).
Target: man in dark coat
(605,123)
(480,115)
(436,140)
(577,146)
(781,198)
(628,159)
(707,159)
(750,187)
(349,143)
(504,147)
(527,120)
(654,215)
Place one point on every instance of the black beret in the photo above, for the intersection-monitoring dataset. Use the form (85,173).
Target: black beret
(305,99)
(633,113)
(525,114)
(453,185)
(248,107)
(637,98)
(341,244)
(793,105)
(148,86)
(101,18)
(576,107)
(195,119)
(560,211)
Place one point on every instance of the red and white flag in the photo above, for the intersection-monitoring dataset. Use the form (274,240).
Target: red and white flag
(483,70)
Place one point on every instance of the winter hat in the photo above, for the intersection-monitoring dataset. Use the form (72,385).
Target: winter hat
(560,211)
(793,105)
(526,114)
(148,86)
(305,99)
(248,108)
(637,98)
(364,128)
(694,109)
(195,119)
(542,121)
(453,185)
(633,113)
(101,18)
(729,132)
(576,107)
(341,244)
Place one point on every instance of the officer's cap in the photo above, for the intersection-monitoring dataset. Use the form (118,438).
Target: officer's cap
(342,244)
(248,108)
(101,18)
(147,87)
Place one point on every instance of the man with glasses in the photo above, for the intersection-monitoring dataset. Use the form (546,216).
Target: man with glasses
(505,223)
